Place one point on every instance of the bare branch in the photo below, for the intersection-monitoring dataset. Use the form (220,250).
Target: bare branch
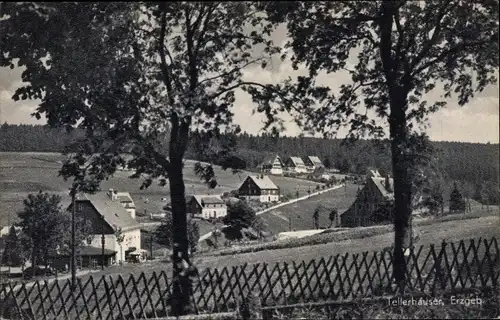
(399,55)
(236,69)
(447,53)
(385,46)
(201,36)
(192,72)
(435,35)
(255,84)
(150,149)
(161,49)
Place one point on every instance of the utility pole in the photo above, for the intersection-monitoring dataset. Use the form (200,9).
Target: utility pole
(151,246)
(103,241)
(73,240)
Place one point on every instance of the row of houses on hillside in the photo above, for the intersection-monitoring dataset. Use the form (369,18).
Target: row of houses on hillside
(274,164)
(255,187)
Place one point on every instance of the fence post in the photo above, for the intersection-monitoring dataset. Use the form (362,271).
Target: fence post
(251,307)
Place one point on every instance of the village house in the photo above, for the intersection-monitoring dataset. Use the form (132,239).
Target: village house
(295,165)
(260,188)
(312,163)
(107,214)
(272,164)
(320,173)
(207,206)
(373,204)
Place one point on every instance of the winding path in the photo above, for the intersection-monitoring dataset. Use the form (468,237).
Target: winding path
(208,235)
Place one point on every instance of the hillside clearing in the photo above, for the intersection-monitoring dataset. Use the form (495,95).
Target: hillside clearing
(30,172)
(301,212)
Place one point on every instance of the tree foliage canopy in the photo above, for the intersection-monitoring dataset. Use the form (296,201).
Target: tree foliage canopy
(449,46)
(240,215)
(163,234)
(43,223)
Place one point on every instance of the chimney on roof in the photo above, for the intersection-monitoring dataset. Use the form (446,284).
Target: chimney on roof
(387,183)
(112,194)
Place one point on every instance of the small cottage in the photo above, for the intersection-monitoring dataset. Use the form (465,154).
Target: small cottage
(260,188)
(207,206)
(312,163)
(373,204)
(272,164)
(295,165)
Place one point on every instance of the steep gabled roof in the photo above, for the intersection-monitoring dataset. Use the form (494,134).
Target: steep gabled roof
(269,159)
(315,160)
(263,182)
(113,212)
(374,173)
(208,199)
(380,185)
(297,161)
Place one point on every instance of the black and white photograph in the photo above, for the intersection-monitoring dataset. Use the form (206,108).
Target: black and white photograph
(269,160)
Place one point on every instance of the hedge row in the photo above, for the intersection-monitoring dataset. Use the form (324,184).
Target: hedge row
(322,238)
(335,235)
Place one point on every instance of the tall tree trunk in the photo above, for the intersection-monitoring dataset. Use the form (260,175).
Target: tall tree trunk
(180,259)
(402,187)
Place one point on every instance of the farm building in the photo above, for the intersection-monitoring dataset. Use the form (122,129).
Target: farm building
(312,163)
(272,164)
(86,257)
(107,215)
(207,206)
(296,165)
(260,188)
(373,203)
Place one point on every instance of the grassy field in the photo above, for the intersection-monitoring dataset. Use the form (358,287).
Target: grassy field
(25,173)
(301,212)
(432,233)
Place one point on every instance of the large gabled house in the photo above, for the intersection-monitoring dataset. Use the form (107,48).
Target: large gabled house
(106,215)
(259,187)
(207,206)
(295,165)
(272,164)
(312,163)
(373,204)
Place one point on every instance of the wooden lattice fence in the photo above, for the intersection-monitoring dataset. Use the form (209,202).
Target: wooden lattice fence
(431,269)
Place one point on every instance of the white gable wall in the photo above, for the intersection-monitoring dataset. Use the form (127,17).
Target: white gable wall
(132,238)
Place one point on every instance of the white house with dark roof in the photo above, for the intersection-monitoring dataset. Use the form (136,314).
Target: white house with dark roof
(272,164)
(106,215)
(296,165)
(207,206)
(259,187)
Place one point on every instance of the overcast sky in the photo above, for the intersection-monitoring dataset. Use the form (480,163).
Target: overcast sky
(476,122)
